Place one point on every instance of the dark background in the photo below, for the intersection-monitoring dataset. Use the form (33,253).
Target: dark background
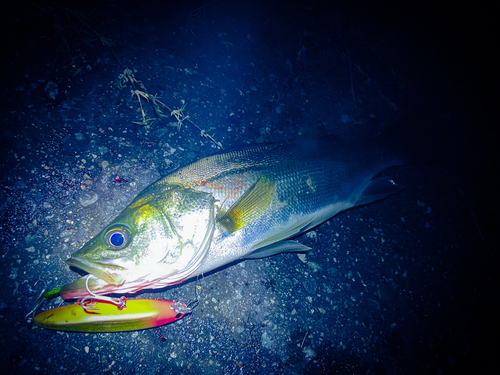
(407,285)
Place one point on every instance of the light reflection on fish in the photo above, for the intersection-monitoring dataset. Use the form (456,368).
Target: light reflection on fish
(236,205)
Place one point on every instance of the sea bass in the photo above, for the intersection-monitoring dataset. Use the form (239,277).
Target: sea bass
(241,204)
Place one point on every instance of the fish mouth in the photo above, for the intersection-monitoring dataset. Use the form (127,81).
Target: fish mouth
(104,270)
(107,278)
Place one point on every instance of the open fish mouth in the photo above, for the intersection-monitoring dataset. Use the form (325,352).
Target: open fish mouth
(106,278)
(81,287)
(105,270)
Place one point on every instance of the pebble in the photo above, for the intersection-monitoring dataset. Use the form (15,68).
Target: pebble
(88,198)
(310,285)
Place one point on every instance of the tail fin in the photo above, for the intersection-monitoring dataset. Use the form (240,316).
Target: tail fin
(379,188)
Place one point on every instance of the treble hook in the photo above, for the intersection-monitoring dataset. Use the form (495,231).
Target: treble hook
(40,300)
(186,308)
(88,302)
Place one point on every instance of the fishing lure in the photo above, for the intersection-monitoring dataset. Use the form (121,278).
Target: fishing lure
(97,313)
(105,316)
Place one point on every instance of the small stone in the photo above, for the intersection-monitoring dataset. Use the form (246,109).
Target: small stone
(309,353)
(13,273)
(315,266)
(88,198)
(103,150)
(302,257)
(310,285)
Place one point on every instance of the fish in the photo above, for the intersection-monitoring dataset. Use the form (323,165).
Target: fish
(242,204)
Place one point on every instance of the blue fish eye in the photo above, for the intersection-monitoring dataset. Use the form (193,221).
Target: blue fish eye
(117,237)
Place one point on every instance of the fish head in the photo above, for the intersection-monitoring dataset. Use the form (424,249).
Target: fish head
(160,239)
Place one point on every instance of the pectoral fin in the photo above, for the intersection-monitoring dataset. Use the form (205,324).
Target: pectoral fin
(251,205)
(284,233)
(277,248)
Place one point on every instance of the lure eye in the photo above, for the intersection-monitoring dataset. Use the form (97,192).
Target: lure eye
(117,237)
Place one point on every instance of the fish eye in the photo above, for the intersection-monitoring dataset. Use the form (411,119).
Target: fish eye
(117,237)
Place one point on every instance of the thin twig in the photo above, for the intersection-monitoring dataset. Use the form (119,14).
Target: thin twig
(304,339)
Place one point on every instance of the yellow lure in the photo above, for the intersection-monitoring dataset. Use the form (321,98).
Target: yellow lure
(106,317)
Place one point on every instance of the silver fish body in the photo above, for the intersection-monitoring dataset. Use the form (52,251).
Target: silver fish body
(248,204)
